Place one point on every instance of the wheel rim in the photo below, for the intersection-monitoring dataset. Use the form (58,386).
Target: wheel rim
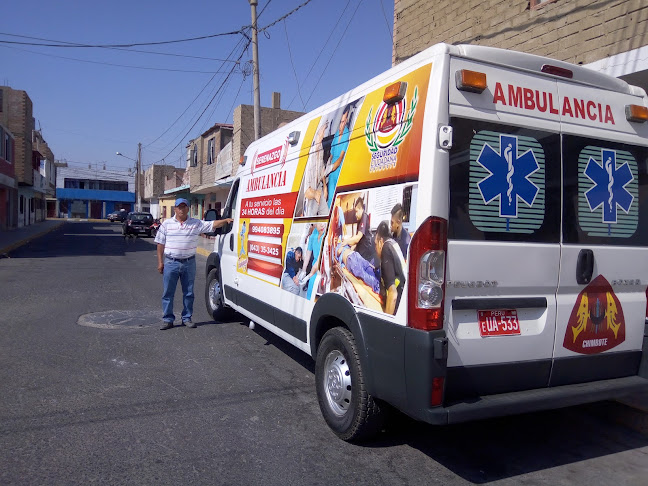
(214,294)
(337,383)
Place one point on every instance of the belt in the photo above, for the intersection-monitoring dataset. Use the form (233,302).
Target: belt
(181,260)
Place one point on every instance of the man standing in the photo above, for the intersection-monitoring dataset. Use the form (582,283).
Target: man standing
(400,235)
(177,240)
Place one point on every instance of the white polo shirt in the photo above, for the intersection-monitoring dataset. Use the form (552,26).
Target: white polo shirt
(180,240)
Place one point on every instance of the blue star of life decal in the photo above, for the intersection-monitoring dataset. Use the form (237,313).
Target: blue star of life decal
(508,177)
(609,188)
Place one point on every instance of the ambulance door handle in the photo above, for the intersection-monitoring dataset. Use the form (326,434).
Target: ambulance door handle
(231,242)
(585,266)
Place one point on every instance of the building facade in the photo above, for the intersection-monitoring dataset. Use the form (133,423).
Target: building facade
(17,116)
(209,164)
(609,36)
(93,193)
(155,178)
(8,185)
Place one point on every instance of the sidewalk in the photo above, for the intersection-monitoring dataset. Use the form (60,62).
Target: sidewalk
(12,239)
(205,246)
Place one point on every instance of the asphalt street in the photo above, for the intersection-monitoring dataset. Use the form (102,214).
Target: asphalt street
(94,393)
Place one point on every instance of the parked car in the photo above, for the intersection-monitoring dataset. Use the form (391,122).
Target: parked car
(117,216)
(137,223)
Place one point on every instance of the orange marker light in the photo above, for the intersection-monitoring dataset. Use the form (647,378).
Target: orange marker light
(471,81)
(636,113)
(395,92)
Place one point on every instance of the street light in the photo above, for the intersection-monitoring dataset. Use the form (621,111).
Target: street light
(122,155)
(138,161)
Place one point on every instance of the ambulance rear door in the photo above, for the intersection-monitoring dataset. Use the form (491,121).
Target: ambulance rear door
(503,233)
(604,257)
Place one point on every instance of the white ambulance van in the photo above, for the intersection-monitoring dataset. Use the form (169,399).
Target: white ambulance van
(464,236)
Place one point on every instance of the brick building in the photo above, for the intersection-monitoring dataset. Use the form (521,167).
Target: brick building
(16,114)
(610,36)
(155,178)
(206,166)
(8,185)
(212,158)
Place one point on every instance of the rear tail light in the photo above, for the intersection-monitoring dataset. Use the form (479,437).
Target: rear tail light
(426,287)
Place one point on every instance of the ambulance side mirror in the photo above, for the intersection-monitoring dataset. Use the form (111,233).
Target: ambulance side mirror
(213,215)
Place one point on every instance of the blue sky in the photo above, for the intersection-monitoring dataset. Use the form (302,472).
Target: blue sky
(93,102)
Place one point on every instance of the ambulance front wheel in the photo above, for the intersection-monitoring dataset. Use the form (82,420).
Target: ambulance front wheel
(348,409)
(214,296)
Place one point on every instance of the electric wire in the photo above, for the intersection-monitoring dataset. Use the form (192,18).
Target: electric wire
(194,100)
(132,44)
(333,52)
(321,50)
(206,107)
(292,64)
(285,16)
(113,64)
(127,49)
(382,7)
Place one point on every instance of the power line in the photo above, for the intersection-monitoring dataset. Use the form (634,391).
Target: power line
(110,63)
(132,44)
(293,65)
(206,107)
(321,50)
(194,100)
(126,49)
(285,16)
(335,49)
(382,7)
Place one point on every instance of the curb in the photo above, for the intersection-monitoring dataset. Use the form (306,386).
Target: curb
(203,252)
(27,239)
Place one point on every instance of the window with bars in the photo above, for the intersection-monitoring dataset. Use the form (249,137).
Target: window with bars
(210,151)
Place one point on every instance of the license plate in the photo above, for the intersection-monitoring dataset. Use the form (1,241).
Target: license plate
(502,322)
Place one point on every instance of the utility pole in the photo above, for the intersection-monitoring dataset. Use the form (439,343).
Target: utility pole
(138,192)
(255,62)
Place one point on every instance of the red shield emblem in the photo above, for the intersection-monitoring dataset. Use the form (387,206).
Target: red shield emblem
(596,323)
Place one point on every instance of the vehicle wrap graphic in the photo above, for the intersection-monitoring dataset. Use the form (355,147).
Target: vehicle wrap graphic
(596,323)
(291,191)
(608,187)
(507,183)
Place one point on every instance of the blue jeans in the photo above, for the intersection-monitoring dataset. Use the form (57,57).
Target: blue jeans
(186,272)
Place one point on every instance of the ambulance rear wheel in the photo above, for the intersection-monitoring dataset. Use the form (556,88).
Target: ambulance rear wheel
(214,296)
(348,409)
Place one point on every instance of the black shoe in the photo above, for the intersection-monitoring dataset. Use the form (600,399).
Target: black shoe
(189,324)
(166,325)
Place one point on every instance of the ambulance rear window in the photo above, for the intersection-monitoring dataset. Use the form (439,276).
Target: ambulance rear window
(504,183)
(606,192)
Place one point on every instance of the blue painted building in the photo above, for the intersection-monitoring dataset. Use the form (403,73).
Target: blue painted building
(88,193)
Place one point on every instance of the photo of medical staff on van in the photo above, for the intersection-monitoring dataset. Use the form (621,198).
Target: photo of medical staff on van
(326,158)
(366,246)
(303,258)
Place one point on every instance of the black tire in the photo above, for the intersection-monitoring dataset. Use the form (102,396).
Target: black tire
(149,233)
(348,409)
(153,232)
(216,308)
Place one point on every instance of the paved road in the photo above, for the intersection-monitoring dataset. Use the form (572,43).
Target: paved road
(117,401)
